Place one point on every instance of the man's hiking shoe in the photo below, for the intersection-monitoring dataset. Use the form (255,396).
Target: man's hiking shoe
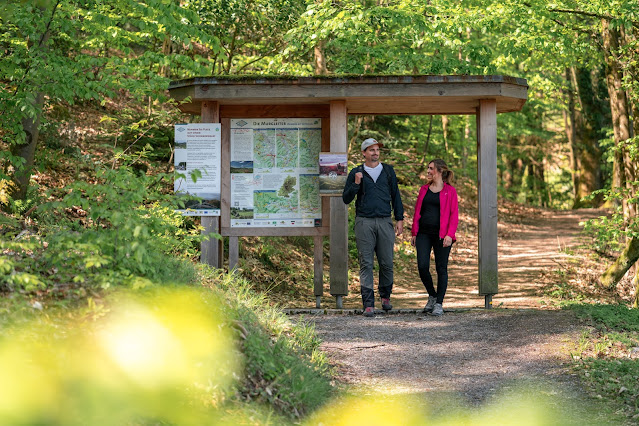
(369,312)
(430,305)
(438,310)
(386,304)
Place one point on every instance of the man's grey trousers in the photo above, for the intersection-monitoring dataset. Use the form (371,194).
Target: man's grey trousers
(375,236)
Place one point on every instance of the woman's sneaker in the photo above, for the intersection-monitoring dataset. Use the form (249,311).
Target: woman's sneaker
(369,312)
(430,305)
(386,305)
(438,310)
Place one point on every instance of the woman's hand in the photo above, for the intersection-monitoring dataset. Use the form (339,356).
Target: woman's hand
(448,241)
(412,240)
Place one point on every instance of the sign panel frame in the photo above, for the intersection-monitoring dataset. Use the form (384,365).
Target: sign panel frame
(274,172)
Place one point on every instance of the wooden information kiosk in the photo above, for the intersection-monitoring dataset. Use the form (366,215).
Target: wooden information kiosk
(332,99)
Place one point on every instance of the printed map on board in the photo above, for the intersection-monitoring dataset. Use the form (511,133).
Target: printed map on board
(309,194)
(310,145)
(267,202)
(264,149)
(287,148)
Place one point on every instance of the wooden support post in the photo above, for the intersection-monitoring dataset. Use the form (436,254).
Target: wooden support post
(212,252)
(318,269)
(339,210)
(234,252)
(487,200)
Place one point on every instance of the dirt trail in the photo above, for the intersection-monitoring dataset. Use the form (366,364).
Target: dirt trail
(470,354)
(525,250)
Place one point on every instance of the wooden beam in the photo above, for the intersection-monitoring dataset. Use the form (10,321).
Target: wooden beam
(212,252)
(339,210)
(318,265)
(487,183)
(274,111)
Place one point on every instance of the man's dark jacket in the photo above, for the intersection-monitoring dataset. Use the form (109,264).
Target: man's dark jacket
(374,199)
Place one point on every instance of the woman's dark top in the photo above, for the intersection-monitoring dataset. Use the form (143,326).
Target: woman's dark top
(429,219)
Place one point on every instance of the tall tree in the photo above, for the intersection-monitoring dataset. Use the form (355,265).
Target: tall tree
(66,51)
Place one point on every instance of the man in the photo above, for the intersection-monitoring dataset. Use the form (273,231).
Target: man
(375,185)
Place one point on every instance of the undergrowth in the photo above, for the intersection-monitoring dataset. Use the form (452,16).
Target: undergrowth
(149,353)
(103,311)
(607,356)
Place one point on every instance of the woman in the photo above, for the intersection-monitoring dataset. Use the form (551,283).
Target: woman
(434,226)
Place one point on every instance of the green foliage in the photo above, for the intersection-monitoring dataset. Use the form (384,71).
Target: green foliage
(132,358)
(617,318)
(126,225)
(361,37)
(66,52)
(169,354)
(607,359)
(13,274)
(609,232)
(561,289)
(118,230)
(284,366)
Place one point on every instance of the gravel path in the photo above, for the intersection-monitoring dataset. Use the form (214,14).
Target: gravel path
(470,355)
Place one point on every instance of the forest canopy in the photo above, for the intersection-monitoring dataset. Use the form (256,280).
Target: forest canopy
(573,145)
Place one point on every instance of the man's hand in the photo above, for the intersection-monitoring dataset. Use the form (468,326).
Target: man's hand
(358,177)
(399,228)
(448,241)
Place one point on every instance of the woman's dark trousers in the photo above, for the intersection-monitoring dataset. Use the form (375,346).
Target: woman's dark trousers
(424,243)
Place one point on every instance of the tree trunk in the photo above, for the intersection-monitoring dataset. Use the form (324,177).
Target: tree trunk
(636,280)
(427,142)
(631,38)
(167,47)
(26,150)
(569,127)
(31,125)
(618,107)
(320,60)
(617,270)
(464,158)
(530,184)
(585,128)
(445,123)
(517,168)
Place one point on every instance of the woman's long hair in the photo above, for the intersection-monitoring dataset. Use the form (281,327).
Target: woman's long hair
(440,165)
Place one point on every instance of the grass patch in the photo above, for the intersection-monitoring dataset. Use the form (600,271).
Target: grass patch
(607,357)
(176,354)
(284,367)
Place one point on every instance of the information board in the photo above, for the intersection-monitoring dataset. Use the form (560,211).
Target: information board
(197,163)
(275,172)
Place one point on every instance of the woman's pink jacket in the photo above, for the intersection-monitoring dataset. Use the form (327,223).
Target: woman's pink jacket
(448,211)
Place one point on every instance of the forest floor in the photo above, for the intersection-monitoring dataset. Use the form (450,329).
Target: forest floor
(470,354)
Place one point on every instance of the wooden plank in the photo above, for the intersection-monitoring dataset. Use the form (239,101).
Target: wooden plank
(257,93)
(339,210)
(274,111)
(225,218)
(318,265)
(487,183)
(326,134)
(212,252)
(234,252)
